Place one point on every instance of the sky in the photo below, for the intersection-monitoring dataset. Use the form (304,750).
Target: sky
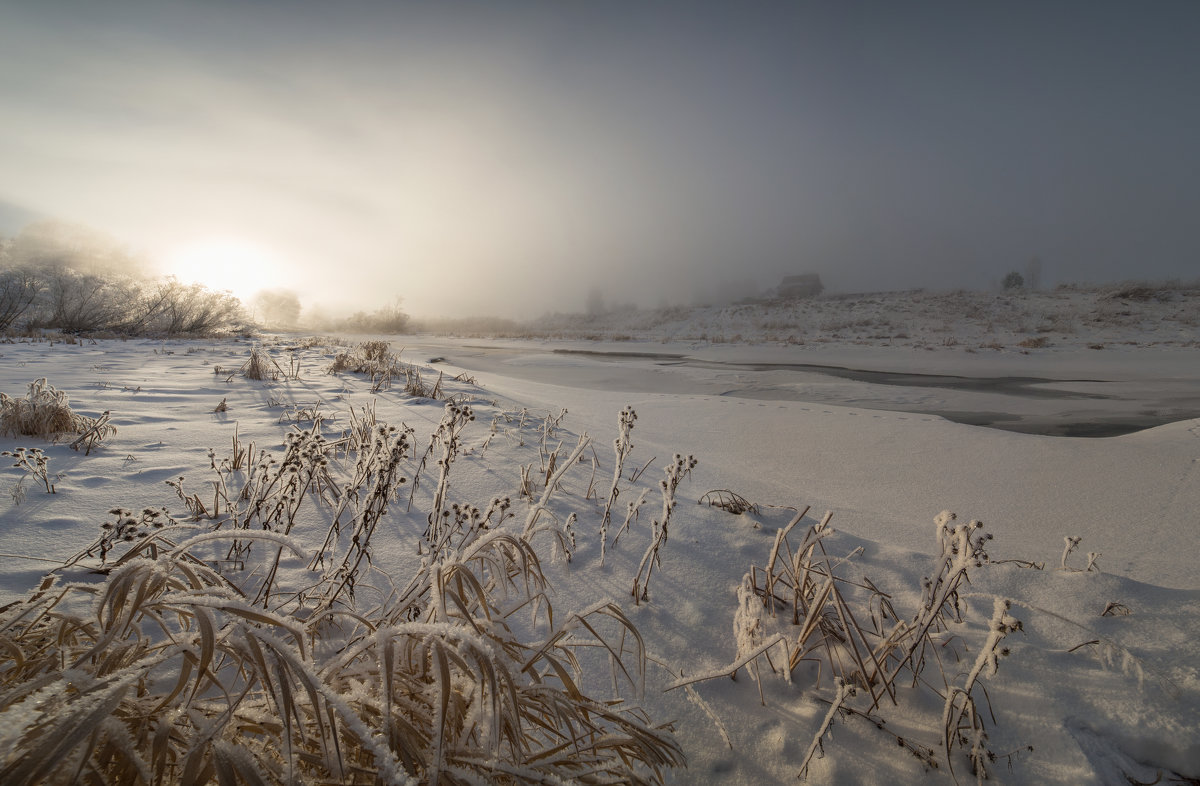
(487,158)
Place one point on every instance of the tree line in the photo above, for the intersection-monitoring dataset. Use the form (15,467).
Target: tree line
(70,278)
(77,281)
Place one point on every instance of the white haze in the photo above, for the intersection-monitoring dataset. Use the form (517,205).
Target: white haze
(507,159)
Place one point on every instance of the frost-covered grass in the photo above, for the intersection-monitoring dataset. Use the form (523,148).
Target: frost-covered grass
(403,587)
(200,655)
(45,412)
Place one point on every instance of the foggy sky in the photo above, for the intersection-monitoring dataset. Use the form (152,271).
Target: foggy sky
(505,158)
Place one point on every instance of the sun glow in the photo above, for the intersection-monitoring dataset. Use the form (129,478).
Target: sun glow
(224,263)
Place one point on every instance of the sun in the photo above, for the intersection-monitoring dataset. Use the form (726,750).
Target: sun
(240,266)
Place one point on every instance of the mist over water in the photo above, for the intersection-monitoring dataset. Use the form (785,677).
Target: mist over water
(518,159)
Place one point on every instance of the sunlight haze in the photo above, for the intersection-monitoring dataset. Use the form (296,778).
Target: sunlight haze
(223,263)
(507,159)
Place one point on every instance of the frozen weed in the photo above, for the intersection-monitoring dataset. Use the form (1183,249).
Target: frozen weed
(824,627)
(563,533)
(676,471)
(728,501)
(17,492)
(632,511)
(622,447)
(962,722)
(1070,543)
(35,463)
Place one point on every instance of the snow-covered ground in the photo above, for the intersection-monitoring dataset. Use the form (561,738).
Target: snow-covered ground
(1066,317)
(1084,696)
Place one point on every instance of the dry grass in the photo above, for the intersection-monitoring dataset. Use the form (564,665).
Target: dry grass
(261,366)
(166,673)
(728,501)
(385,368)
(45,413)
(799,608)
(376,360)
(169,671)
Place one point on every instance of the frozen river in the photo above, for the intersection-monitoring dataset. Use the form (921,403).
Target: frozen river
(1054,401)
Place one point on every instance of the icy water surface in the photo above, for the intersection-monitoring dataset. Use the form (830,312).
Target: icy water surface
(1063,407)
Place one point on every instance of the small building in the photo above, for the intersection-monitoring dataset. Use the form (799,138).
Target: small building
(802,286)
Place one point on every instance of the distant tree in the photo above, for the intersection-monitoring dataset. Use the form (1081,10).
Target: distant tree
(76,302)
(196,310)
(1013,280)
(278,307)
(19,286)
(84,280)
(63,276)
(391,318)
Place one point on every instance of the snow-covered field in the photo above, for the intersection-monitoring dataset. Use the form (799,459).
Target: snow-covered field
(1065,317)
(1101,683)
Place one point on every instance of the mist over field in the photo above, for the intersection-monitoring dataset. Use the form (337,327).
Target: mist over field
(513,160)
(616,392)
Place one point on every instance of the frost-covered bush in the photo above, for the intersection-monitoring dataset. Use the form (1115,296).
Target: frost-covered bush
(19,288)
(68,278)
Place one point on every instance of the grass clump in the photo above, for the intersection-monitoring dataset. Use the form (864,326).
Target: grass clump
(175,677)
(261,366)
(182,666)
(385,368)
(798,610)
(45,413)
(376,360)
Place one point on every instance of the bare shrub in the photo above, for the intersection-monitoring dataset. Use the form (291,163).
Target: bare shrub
(195,310)
(78,302)
(1013,280)
(19,288)
(79,281)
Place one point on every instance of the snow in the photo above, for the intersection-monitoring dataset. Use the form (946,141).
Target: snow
(1098,697)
